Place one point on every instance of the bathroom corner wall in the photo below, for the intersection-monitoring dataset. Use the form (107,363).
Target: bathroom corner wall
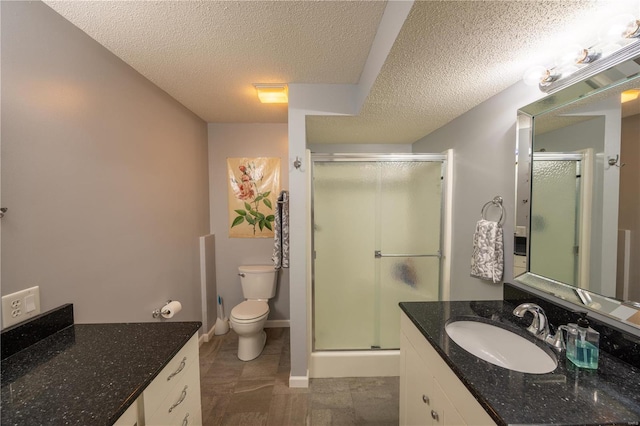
(244,140)
(104,175)
(484,141)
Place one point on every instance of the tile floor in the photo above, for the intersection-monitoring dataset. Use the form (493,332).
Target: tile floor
(256,392)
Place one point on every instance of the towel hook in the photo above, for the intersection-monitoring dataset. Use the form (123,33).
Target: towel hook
(614,161)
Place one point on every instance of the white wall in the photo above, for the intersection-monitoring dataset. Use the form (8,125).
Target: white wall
(104,175)
(243,140)
(484,141)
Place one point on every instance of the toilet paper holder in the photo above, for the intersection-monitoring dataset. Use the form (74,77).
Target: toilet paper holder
(158,312)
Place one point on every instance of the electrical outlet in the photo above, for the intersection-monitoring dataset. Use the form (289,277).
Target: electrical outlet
(20,306)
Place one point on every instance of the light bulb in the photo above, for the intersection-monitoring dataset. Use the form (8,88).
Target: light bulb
(619,27)
(550,76)
(569,55)
(633,29)
(586,56)
(533,76)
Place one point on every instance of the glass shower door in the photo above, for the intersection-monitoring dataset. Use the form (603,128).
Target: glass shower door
(343,205)
(408,268)
(376,243)
(554,219)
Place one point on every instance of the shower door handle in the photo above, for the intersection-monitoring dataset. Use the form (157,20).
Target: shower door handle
(378,254)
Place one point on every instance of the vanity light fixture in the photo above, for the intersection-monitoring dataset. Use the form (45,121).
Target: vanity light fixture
(618,36)
(272,93)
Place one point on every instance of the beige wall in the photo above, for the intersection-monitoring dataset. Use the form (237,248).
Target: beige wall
(630,195)
(244,140)
(104,175)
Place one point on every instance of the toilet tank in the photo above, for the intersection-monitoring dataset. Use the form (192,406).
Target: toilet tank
(258,281)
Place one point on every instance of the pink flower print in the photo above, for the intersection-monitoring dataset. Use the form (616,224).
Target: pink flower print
(245,191)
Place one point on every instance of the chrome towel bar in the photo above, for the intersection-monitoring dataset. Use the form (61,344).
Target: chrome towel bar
(378,254)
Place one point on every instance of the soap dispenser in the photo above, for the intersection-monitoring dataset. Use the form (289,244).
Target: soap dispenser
(583,344)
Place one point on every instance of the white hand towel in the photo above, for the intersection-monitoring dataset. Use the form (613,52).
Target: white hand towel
(487,261)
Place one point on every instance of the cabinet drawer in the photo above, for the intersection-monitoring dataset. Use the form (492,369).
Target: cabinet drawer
(175,370)
(182,405)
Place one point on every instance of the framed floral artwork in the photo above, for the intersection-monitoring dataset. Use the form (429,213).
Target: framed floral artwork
(254,184)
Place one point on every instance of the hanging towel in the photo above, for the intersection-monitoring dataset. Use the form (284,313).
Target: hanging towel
(281,232)
(487,261)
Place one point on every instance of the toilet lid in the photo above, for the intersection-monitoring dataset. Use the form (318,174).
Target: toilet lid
(250,309)
(256,269)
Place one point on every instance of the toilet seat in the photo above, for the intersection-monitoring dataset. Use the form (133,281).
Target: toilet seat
(250,310)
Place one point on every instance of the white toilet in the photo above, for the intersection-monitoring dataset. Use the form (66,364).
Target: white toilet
(248,318)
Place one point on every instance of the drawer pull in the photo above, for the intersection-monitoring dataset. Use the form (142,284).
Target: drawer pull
(434,415)
(183,395)
(180,368)
(425,399)
(185,421)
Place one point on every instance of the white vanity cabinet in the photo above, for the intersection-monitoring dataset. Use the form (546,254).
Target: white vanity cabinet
(173,397)
(430,393)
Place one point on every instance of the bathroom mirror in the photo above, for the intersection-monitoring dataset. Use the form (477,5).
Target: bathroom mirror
(577,233)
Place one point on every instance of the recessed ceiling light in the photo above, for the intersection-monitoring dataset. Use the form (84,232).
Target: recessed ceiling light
(629,95)
(272,93)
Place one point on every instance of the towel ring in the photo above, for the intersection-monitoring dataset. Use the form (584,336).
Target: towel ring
(497,201)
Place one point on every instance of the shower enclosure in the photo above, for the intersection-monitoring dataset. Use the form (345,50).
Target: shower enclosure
(377,226)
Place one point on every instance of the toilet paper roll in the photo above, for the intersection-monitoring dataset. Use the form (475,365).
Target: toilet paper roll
(170,309)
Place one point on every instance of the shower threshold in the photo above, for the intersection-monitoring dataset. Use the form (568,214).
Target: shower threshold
(362,363)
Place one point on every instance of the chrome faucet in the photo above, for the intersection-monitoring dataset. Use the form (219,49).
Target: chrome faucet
(540,325)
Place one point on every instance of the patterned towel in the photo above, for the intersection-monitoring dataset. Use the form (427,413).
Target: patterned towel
(487,261)
(281,232)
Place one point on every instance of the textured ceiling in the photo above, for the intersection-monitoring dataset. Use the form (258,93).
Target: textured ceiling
(207,54)
(449,56)
(452,55)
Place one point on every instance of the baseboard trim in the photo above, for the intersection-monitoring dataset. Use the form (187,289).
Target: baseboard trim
(277,324)
(206,337)
(299,381)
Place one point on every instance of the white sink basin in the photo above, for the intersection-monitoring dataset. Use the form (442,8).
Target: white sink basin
(501,347)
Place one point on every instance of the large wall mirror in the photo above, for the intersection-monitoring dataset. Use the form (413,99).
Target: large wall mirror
(577,232)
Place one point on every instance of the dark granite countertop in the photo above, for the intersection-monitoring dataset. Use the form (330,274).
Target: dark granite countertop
(565,396)
(87,374)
